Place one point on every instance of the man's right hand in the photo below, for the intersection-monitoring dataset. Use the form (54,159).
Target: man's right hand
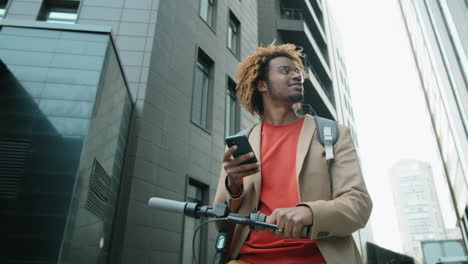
(235,171)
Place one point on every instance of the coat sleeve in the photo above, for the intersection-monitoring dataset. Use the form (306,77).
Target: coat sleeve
(351,205)
(222,194)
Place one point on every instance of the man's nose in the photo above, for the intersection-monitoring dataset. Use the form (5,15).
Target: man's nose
(297,76)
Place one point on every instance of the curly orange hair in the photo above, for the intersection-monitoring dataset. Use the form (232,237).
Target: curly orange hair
(255,68)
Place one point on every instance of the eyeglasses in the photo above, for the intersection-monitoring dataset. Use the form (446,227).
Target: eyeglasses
(285,69)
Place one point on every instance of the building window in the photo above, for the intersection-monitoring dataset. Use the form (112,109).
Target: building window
(3,4)
(201,98)
(291,14)
(62,12)
(232,118)
(207,11)
(196,192)
(233,34)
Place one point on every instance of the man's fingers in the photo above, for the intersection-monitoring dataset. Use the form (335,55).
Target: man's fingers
(296,231)
(291,220)
(242,158)
(244,173)
(244,168)
(229,152)
(271,219)
(288,226)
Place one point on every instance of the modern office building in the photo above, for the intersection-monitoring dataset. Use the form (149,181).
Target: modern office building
(439,40)
(176,93)
(65,111)
(417,205)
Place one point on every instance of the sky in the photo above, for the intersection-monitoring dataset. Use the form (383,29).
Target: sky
(392,119)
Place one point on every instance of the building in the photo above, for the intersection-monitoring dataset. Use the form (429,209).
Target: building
(343,101)
(444,251)
(177,62)
(417,205)
(439,43)
(65,110)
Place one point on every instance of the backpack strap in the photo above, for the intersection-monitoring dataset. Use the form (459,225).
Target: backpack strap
(328,135)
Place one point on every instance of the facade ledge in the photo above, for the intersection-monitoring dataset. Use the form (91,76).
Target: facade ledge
(55,26)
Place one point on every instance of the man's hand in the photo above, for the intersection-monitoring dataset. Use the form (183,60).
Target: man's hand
(290,221)
(236,172)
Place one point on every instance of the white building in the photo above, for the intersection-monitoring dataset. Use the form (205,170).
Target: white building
(417,205)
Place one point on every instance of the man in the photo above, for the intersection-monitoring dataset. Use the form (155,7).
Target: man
(291,183)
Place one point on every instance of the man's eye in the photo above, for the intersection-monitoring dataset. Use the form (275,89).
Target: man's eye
(284,69)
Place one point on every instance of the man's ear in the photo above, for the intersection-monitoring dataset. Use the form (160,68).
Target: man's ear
(262,86)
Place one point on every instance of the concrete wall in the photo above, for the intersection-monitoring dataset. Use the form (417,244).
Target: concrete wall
(166,146)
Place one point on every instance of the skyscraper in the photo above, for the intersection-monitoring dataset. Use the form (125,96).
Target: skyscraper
(417,205)
(439,40)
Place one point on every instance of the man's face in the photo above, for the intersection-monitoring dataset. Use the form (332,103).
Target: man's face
(284,81)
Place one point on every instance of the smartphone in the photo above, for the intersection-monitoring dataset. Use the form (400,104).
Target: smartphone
(243,147)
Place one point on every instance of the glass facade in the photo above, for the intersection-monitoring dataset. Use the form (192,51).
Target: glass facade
(63,103)
(441,79)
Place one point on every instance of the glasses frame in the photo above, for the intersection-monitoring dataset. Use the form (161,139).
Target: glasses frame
(286,69)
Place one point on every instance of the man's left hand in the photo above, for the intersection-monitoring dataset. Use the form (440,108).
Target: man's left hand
(290,221)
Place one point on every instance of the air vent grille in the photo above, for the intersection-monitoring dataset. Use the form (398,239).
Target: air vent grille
(13,155)
(99,191)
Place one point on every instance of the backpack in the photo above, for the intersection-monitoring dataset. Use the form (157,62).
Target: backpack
(327,130)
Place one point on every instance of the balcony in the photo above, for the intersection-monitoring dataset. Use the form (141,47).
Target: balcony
(317,18)
(294,28)
(311,13)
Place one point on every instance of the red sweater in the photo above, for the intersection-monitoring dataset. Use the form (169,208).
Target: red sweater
(279,190)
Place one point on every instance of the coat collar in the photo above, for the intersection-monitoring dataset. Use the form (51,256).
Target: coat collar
(305,138)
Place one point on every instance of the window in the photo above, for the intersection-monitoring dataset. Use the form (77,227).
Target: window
(233,37)
(195,192)
(3,4)
(232,118)
(59,11)
(291,14)
(207,11)
(201,98)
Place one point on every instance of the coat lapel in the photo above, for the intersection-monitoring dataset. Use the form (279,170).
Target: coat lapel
(255,142)
(305,138)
